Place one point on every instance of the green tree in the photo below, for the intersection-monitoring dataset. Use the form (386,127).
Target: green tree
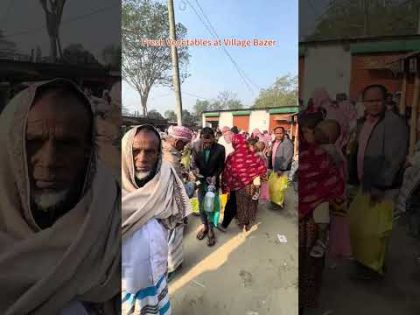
(226,100)
(200,107)
(111,56)
(170,115)
(284,92)
(349,19)
(144,67)
(154,114)
(188,119)
(76,54)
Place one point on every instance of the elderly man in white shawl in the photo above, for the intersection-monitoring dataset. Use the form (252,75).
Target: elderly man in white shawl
(172,147)
(154,200)
(59,207)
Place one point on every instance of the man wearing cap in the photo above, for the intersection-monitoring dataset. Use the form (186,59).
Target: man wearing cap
(172,147)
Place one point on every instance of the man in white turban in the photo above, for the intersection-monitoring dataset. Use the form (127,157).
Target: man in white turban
(172,147)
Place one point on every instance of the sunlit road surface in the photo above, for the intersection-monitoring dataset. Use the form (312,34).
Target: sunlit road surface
(251,273)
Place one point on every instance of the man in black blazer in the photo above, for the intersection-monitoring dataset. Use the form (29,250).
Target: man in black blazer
(208,158)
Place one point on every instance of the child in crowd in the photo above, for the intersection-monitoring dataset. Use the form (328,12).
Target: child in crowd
(326,134)
(322,178)
(253,147)
(260,149)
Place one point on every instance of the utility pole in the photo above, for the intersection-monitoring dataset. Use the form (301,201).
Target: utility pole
(175,65)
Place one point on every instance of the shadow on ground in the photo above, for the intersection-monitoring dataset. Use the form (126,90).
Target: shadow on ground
(245,273)
(398,293)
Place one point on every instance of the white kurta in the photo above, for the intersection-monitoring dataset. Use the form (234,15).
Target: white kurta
(144,257)
(144,271)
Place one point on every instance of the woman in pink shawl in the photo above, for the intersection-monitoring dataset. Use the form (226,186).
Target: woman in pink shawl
(256,133)
(343,112)
(339,234)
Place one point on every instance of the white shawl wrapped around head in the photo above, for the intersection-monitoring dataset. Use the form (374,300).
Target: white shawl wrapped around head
(163,197)
(78,257)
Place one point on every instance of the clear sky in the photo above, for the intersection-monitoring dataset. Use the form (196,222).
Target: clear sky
(211,70)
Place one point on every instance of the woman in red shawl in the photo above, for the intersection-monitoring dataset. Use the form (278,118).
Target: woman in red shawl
(242,170)
(319,182)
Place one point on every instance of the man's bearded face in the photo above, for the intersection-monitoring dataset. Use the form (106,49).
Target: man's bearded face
(146,148)
(58,146)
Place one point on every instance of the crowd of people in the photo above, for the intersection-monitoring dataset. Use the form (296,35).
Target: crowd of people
(161,171)
(355,179)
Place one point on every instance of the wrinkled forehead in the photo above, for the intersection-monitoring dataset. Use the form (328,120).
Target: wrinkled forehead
(67,111)
(146,140)
(66,107)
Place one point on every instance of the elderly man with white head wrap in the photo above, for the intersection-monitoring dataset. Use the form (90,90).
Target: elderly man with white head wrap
(153,201)
(59,207)
(173,145)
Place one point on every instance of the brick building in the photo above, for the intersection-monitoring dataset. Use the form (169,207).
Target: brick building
(349,65)
(250,119)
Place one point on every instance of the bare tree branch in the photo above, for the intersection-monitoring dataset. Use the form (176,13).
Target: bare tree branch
(144,67)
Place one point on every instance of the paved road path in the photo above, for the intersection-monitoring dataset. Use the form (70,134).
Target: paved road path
(244,274)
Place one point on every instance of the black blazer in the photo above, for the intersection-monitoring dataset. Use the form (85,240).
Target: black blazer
(216,162)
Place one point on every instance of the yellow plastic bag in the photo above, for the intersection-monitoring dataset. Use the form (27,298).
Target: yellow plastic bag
(186,161)
(370,230)
(195,205)
(223,202)
(277,186)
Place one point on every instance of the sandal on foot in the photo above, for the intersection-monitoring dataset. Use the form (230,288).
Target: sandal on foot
(221,228)
(319,249)
(202,234)
(211,239)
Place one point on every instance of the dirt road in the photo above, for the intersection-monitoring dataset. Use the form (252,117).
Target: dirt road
(398,293)
(245,273)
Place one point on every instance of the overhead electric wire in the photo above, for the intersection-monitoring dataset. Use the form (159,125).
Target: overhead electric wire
(212,32)
(215,32)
